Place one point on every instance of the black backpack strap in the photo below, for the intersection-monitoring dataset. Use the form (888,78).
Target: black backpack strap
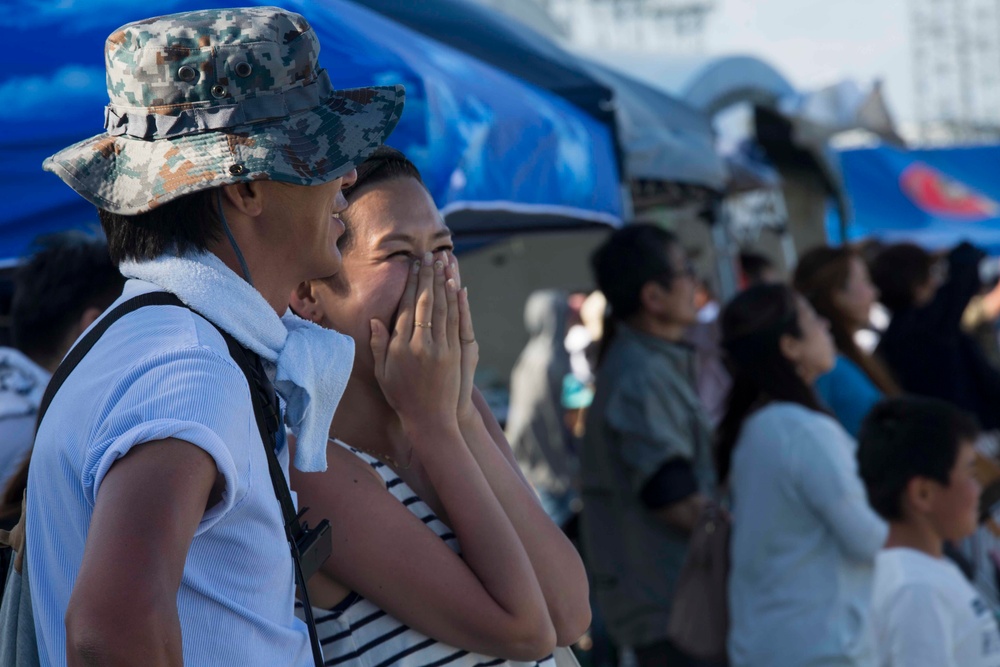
(309,548)
(81,349)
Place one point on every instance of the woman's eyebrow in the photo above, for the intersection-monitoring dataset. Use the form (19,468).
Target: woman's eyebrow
(400,236)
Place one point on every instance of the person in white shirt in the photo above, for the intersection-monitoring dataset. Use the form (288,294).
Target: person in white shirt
(916,456)
(804,538)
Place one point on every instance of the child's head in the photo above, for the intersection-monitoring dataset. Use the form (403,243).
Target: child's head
(916,457)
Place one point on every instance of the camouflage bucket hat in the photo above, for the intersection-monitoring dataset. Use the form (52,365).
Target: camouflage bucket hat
(207,98)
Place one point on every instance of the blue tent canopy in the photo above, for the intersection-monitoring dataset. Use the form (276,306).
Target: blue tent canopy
(934,197)
(497,152)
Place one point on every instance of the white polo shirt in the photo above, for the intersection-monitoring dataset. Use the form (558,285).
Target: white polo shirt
(164,372)
(926,614)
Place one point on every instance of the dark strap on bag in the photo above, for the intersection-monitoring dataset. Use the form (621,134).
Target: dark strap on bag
(80,350)
(266,411)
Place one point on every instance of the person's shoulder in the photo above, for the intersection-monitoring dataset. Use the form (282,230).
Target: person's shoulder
(159,330)
(624,368)
(784,414)
(845,367)
(901,570)
(788,426)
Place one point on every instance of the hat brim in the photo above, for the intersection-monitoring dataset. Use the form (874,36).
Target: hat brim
(128,176)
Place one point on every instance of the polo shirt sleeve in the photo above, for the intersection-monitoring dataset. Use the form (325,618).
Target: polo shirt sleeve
(191,394)
(651,426)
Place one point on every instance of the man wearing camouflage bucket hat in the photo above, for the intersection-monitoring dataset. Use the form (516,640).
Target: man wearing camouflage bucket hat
(218,182)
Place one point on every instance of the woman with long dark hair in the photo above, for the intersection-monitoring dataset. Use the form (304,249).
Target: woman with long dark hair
(804,538)
(835,280)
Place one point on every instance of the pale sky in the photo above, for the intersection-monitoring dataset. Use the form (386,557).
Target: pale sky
(814,43)
(819,42)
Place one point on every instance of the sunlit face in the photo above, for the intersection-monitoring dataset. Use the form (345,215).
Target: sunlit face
(954,509)
(858,295)
(391,224)
(306,224)
(813,352)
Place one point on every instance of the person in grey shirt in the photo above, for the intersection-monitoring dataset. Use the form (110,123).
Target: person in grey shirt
(646,460)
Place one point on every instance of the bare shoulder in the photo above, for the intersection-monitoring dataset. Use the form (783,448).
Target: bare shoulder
(343,467)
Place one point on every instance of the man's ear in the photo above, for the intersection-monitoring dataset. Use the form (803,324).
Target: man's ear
(651,297)
(919,494)
(304,302)
(247,198)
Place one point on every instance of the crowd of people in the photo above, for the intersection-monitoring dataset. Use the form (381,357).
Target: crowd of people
(244,428)
(848,472)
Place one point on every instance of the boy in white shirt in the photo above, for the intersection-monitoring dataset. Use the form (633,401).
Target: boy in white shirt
(916,456)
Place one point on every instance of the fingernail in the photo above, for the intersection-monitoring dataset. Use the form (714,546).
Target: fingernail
(416,267)
(438,266)
(452,287)
(428,258)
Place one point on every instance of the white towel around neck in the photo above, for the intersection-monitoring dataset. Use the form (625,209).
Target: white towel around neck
(309,365)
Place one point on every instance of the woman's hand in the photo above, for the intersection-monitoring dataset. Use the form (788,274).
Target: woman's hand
(418,365)
(467,412)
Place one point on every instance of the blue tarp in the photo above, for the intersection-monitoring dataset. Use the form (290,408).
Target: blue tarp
(933,197)
(483,140)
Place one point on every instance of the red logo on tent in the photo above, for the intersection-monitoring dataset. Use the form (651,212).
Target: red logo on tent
(938,194)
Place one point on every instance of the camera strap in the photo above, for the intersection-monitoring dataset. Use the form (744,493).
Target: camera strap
(267,413)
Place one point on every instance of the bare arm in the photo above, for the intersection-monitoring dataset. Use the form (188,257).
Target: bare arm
(123,609)
(382,549)
(489,600)
(556,562)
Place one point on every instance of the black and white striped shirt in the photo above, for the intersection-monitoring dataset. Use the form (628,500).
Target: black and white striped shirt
(359,634)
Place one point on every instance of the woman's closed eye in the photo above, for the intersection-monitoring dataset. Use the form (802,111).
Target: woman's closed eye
(409,254)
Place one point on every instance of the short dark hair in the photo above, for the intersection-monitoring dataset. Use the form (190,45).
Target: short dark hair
(898,271)
(190,222)
(384,164)
(753,265)
(69,273)
(631,257)
(907,437)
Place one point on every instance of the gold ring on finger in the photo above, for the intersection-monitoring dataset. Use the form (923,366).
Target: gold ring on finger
(423,325)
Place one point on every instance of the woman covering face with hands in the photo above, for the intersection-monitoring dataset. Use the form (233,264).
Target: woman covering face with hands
(442,553)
